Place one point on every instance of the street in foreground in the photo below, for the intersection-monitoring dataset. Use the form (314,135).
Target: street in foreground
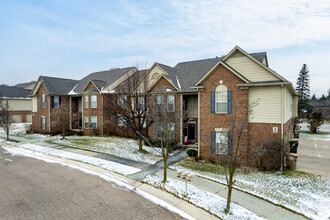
(33,189)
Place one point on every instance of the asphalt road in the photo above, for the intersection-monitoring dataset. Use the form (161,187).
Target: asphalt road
(33,189)
(314,156)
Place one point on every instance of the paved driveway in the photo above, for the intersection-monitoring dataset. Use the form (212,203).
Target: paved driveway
(33,189)
(314,156)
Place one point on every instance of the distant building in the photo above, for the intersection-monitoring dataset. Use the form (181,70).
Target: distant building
(19,102)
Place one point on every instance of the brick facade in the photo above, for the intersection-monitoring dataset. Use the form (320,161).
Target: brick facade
(36,116)
(209,121)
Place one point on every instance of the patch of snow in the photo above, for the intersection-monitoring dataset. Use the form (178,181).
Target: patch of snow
(323,128)
(309,196)
(72,91)
(4,97)
(108,165)
(211,202)
(179,85)
(325,137)
(121,147)
(106,177)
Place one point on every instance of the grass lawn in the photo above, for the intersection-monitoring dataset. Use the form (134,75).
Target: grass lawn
(305,193)
(121,147)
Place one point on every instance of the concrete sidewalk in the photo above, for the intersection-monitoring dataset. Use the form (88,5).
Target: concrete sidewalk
(259,206)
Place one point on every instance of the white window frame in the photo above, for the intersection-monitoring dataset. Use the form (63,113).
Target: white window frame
(43,122)
(43,100)
(93,121)
(221,97)
(56,101)
(160,103)
(122,101)
(120,122)
(170,103)
(86,101)
(171,130)
(141,103)
(86,122)
(93,101)
(160,131)
(221,142)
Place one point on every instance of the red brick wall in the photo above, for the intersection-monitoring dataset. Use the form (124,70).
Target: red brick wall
(152,131)
(98,111)
(65,103)
(41,112)
(209,121)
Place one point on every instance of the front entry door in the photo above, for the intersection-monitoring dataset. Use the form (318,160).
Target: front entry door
(191,131)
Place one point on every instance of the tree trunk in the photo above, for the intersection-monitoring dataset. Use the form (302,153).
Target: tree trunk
(7,135)
(63,134)
(230,188)
(140,144)
(165,170)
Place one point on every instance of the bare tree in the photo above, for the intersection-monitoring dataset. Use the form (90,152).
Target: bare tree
(6,119)
(166,126)
(131,105)
(62,118)
(237,142)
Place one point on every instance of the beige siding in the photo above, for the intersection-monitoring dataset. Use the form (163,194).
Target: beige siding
(29,118)
(192,105)
(287,104)
(295,106)
(20,104)
(17,118)
(266,102)
(249,69)
(34,104)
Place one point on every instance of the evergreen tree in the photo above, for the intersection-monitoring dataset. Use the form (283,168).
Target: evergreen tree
(303,89)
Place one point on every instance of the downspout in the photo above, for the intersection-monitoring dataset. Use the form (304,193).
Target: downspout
(282,126)
(282,113)
(70,105)
(181,119)
(199,125)
(49,112)
(102,95)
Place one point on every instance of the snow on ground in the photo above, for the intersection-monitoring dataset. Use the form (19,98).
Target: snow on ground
(305,193)
(105,164)
(325,137)
(323,128)
(210,202)
(17,128)
(120,182)
(121,147)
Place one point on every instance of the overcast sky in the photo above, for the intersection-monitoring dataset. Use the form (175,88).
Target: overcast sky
(71,39)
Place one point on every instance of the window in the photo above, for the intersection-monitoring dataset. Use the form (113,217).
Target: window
(93,101)
(122,101)
(43,101)
(86,122)
(121,121)
(141,103)
(43,122)
(93,122)
(171,130)
(160,131)
(159,100)
(86,101)
(221,140)
(170,103)
(221,105)
(56,102)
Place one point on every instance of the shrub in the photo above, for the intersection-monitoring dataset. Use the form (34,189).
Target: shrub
(28,128)
(192,153)
(70,133)
(80,133)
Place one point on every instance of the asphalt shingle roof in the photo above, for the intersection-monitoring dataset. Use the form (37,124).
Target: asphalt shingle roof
(58,85)
(24,85)
(14,92)
(189,73)
(108,77)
